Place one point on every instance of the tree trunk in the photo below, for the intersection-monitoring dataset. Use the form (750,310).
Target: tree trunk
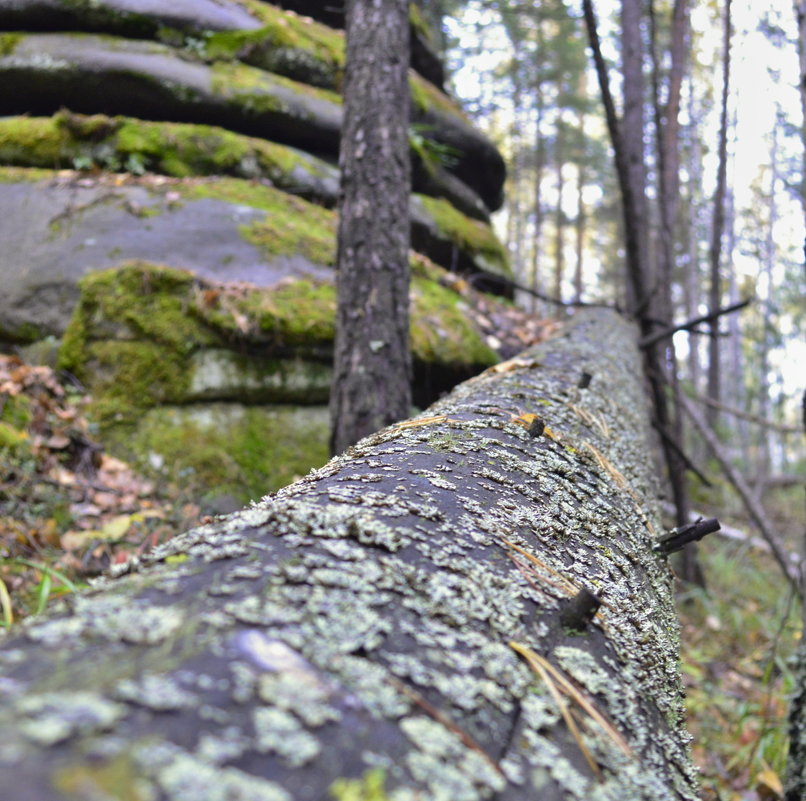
(633,206)
(406,622)
(717,229)
(632,135)
(559,213)
(628,145)
(372,368)
(540,158)
(581,220)
(800,14)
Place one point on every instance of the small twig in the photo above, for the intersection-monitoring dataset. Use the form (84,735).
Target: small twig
(580,610)
(681,536)
(651,339)
(472,279)
(751,418)
(442,718)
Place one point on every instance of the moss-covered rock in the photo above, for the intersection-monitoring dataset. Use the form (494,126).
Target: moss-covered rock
(145,337)
(285,43)
(106,74)
(227,450)
(61,225)
(456,240)
(110,75)
(119,144)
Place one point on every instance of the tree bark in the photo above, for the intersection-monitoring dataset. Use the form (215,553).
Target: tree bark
(717,229)
(413,620)
(632,136)
(559,213)
(372,365)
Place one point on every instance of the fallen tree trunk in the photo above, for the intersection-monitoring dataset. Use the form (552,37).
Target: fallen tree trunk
(411,621)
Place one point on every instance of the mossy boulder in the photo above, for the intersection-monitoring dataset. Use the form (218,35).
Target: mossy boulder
(90,73)
(254,32)
(227,454)
(144,335)
(223,167)
(40,73)
(176,315)
(156,346)
(63,225)
(125,144)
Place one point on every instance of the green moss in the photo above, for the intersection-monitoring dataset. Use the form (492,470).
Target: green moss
(116,778)
(8,43)
(426,97)
(16,410)
(12,438)
(128,377)
(417,21)
(130,336)
(302,312)
(15,175)
(287,44)
(292,226)
(370,787)
(31,142)
(441,331)
(256,89)
(241,452)
(118,143)
(138,301)
(285,233)
(472,236)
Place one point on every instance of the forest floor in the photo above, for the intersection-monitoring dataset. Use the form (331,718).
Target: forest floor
(69,511)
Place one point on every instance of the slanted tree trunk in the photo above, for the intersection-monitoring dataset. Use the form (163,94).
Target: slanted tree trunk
(372,366)
(406,622)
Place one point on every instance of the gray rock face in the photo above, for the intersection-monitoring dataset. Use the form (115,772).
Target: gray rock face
(56,231)
(40,73)
(128,15)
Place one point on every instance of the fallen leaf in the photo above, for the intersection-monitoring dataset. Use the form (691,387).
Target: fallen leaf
(769,786)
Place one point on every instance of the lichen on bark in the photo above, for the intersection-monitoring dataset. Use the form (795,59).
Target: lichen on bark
(369,611)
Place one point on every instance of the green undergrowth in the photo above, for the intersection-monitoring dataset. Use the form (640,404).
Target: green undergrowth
(225,451)
(739,638)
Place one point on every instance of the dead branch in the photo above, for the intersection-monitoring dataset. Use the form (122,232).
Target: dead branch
(754,507)
(650,340)
(751,418)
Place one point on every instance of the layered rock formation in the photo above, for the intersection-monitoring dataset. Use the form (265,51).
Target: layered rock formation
(153,153)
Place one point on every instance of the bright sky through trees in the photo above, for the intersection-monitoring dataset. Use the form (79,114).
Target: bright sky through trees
(764,99)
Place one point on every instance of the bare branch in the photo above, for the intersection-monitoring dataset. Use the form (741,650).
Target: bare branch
(650,340)
(753,507)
